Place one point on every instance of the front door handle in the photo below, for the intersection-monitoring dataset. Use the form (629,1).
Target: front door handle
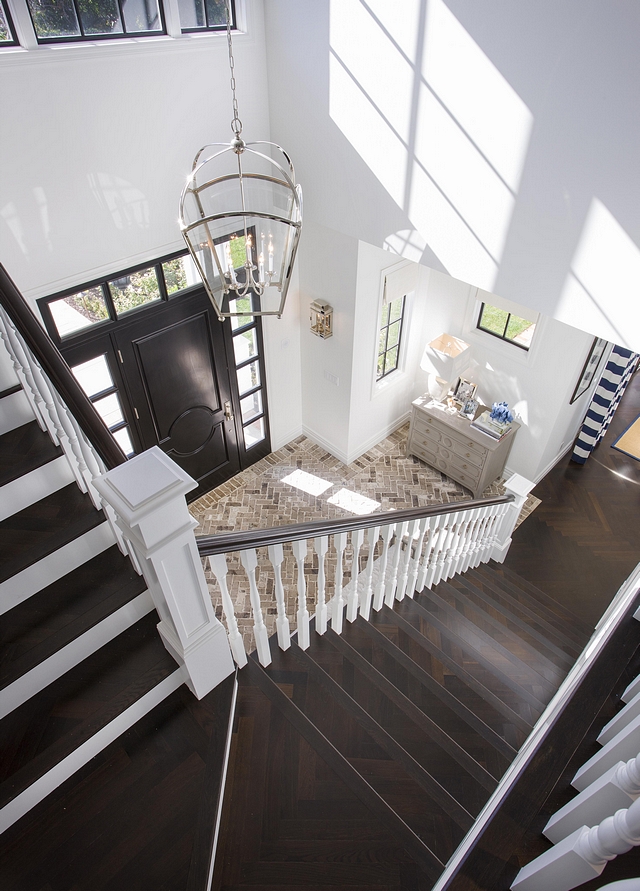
(228,411)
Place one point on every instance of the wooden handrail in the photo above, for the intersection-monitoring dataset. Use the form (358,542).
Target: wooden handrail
(52,363)
(208,545)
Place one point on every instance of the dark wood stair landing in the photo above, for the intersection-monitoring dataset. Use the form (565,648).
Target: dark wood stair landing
(398,729)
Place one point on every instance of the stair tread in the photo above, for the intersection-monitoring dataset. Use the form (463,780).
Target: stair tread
(571,623)
(43,624)
(24,449)
(45,526)
(54,722)
(499,595)
(500,709)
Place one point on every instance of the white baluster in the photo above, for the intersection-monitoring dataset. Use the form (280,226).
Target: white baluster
(276,556)
(22,369)
(340,542)
(69,442)
(480,541)
(378,597)
(623,746)
(417,555)
(618,787)
(218,564)
(406,559)
(429,551)
(444,558)
(367,592)
(583,854)
(436,555)
(472,536)
(249,560)
(357,537)
(392,581)
(461,542)
(321,546)
(625,716)
(300,552)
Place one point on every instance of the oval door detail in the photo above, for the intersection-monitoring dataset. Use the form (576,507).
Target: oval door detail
(191,431)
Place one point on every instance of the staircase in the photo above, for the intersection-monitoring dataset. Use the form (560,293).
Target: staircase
(96,724)
(386,741)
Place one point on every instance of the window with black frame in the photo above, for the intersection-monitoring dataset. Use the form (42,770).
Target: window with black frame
(7,31)
(56,21)
(205,15)
(389,337)
(505,325)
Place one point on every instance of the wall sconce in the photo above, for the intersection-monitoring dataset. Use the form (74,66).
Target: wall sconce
(321,318)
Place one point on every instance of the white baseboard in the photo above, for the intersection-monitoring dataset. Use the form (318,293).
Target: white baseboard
(321,441)
(28,799)
(378,437)
(14,412)
(52,567)
(286,438)
(31,487)
(68,657)
(553,463)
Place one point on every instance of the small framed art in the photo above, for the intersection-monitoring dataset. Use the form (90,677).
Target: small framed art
(464,391)
(590,367)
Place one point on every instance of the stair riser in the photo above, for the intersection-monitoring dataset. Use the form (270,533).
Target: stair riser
(71,655)
(14,412)
(31,487)
(51,568)
(28,799)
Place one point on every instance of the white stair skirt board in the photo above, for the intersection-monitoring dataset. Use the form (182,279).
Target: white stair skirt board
(31,487)
(56,665)
(622,747)
(14,412)
(28,799)
(52,567)
(620,721)
(599,800)
(632,690)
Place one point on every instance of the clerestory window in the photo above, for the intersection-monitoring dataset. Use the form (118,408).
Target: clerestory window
(7,31)
(390,336)
(505,325)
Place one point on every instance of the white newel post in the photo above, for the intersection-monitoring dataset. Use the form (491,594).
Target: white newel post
(519,487)
(147,494)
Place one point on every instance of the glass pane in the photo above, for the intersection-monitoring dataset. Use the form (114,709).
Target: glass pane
(251,406)
(520,330)
(493,319)
(123,438)
(191,14)
(109,410)
(382,341)
(137,289)
(245,345)
(380,366)
(216,13)
(395,310)
(94,376)
(242,304)
(394,334)
(78,311)
(100,16)
(392,360)
(54,18)
(180,273)
(385,316)
(248,377)
(141,15)
(5,32)
(254,433)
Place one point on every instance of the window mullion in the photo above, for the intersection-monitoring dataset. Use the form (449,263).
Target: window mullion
(506,325)
(23,24)
(172,18)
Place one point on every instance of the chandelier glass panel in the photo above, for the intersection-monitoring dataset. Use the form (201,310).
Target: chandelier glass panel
(241,217)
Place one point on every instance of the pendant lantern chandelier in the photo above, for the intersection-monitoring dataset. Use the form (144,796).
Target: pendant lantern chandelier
(241,217)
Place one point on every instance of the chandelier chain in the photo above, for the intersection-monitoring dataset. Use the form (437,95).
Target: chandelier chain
(236,123)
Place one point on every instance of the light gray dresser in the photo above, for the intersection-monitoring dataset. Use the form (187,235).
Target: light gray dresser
(450,444)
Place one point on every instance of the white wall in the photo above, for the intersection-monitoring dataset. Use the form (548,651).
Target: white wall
(511,165)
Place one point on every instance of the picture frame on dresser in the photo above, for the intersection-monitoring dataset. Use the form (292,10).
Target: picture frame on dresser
(464,391)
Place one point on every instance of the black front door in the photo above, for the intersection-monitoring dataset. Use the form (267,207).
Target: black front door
(174,360)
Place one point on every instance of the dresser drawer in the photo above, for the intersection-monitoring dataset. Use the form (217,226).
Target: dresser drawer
(454,472)
(438,432)
(423,451)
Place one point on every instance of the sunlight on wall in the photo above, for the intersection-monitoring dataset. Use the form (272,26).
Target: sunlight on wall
(127,205)
(407,243)
(448,141)
(602,291)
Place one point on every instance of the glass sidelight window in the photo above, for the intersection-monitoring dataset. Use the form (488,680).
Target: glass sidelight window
(96,380)
(246,352)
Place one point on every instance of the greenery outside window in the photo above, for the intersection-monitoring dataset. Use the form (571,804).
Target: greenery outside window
(73,20)
(205,15)
(7,31)
(503,324)
(389,337)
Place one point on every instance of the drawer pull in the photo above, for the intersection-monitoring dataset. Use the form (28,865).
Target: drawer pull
(468,455)
(469,443)
(465,466)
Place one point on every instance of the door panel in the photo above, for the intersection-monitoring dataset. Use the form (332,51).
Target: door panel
(175,364)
